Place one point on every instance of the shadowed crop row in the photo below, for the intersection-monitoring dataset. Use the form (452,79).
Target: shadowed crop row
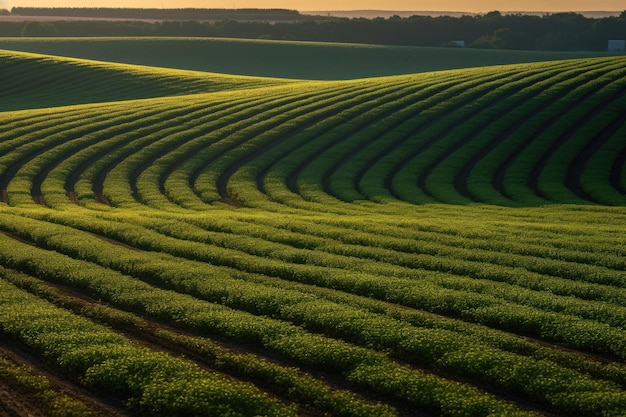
(447,243)
(444,137)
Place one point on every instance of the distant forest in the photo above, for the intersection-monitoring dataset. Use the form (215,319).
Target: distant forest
(161,14)
(550,32)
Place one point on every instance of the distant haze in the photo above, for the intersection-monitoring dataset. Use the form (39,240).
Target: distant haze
(475,6)
(371,14)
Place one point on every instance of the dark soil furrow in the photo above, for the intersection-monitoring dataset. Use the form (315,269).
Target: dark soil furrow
(326,179)
(17,400)
(180,160)
(24,403)
(10,172)
(207,351)
(577,167)
(288,102)
(406,159)
(183,115)
(292,179)
(38,179)
(523,403)
(134,325)
(187,342)
(14,166)
(76,173)
(616,172)
(76,299)
(147,162)
(460,181)
(326,186)
(422,129)
(539,167)
(18,238)
(500,103)
(223,179)
(500,173)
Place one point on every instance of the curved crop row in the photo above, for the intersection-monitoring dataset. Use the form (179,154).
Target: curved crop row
(446,243)
(436,129)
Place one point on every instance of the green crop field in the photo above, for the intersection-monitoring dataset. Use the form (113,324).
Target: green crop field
(305,60)
(182,243)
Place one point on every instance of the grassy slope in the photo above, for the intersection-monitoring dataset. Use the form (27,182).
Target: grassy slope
(307,60)
(33,80)
(443,288)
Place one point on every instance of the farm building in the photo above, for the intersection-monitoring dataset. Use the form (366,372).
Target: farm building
(457,44)
(617,45)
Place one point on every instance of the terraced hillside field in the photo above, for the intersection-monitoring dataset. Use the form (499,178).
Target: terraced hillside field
(449,243)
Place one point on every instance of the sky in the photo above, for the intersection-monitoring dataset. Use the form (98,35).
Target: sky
(414,5)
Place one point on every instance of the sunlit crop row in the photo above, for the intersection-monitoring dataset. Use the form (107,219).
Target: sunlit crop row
(449,243)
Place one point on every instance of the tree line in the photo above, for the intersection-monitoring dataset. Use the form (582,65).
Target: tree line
(552,32)
(161,14)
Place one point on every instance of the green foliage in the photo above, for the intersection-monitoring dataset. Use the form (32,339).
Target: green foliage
(37,29)
(57,403)
(552,31)
(281,240)
(265,58)
(103,359)
(65,81)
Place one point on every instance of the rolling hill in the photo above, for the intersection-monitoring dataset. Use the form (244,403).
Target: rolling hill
(441,243)
(40,81)
(283,59)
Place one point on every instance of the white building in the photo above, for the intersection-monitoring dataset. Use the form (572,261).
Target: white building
(457,44)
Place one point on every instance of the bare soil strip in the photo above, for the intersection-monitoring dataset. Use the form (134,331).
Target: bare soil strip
(9,173)
(23,403)
(71,195)
(74,176)
(98,188)
(16,400)
(174,165)
(389,180)
(15,237)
